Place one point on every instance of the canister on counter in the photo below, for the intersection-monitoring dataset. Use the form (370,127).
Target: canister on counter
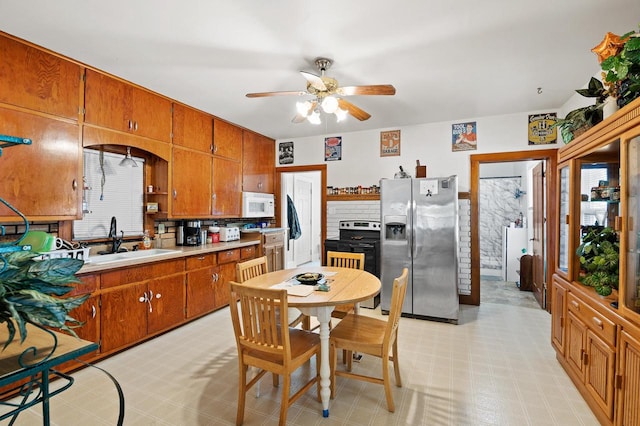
(214,233)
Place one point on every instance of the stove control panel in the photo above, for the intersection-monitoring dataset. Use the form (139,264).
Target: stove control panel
(360,225)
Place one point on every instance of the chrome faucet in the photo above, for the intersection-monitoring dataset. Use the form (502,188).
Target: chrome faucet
(113,234)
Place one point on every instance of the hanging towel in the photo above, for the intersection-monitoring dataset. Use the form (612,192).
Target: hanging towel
(292,219)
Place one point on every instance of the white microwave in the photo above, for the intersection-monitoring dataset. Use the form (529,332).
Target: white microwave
(257,204)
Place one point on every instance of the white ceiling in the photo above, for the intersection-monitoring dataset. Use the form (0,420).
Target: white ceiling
(449,60)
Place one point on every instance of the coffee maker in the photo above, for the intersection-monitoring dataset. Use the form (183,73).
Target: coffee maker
(192,234)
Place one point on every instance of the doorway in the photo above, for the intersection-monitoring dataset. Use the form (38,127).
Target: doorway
(507,213)
(549,158)
(306,187)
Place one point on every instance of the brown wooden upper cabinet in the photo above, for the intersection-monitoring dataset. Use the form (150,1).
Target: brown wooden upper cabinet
(227,140)
(258,163)
(42,180)
(226,185)
(191,192)
(118,105)
(192,129)
(37,80)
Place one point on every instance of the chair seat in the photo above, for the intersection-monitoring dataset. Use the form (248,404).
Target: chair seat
(359,333)
(302,342)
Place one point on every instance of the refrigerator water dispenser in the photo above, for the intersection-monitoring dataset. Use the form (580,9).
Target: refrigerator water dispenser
(395,228)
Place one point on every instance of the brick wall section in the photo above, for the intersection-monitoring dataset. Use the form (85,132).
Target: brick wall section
(370,210)
(464,246)
(350,210)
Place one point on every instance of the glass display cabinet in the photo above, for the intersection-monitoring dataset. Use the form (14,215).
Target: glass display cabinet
(596,327)
(630,292)
(563,220)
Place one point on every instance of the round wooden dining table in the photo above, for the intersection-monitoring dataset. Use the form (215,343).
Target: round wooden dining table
(345,286)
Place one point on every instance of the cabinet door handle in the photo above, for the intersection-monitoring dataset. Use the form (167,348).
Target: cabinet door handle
(201,258)
(597,322)
(149,301)
(135,126)
(575,304)
(93,311)
(259,185)
(158,295)
(130,125)
(74,184)
(175,194)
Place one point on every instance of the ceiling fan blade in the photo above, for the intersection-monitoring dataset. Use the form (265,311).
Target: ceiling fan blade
(299,118)
(314,80)
(376,89)
(265,94)
(358,113)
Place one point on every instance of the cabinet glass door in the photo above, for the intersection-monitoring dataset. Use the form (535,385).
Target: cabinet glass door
(631,296)
(563,232)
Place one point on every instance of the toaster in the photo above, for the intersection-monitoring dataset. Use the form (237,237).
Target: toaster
(230,234)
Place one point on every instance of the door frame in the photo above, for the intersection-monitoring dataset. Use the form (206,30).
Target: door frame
(322,168)
(550,157)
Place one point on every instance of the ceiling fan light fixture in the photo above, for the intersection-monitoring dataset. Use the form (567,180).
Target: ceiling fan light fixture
(341,114)
(303,107)
(314,117)
(329,104)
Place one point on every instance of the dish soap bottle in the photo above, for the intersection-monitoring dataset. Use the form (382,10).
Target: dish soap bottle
(146,240)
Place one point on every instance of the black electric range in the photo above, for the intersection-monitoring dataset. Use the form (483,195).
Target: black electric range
(359,236)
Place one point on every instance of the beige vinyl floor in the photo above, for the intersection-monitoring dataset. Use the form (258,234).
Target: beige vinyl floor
(496,367)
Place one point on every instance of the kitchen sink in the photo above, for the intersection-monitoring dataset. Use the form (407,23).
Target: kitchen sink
(129,255)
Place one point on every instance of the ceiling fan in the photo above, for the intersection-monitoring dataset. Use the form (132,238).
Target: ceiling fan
(328,95)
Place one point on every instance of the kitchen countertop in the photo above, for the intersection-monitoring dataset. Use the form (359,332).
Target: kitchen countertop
(180,251)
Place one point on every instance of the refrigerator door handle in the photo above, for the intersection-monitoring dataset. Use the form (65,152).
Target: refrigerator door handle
(409,231)
(413,223)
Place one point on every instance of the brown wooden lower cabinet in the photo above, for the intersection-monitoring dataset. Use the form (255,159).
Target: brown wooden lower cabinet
(200,281)
(139,301)
(124,317)
(591,352)
(88,314)
(558,313)
(225,272)
(165,303)
(628,391)
(131,304)
(599,350)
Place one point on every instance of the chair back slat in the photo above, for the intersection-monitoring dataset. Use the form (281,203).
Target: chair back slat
(251,269)
(261,324)
(345,260)
(397,299)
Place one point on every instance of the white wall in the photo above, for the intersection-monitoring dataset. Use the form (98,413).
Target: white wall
(361,163)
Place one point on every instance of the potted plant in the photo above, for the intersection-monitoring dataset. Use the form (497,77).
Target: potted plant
(599,256)
(619,58)
(582,119)
(31,291)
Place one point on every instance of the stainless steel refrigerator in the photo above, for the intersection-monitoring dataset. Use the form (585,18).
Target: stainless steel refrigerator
(419,219)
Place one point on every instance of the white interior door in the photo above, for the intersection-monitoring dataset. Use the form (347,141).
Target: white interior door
(302,201)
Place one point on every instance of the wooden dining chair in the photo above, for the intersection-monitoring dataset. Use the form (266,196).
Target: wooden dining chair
(265,341)
(344,260)
(363,334)
(258,266)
